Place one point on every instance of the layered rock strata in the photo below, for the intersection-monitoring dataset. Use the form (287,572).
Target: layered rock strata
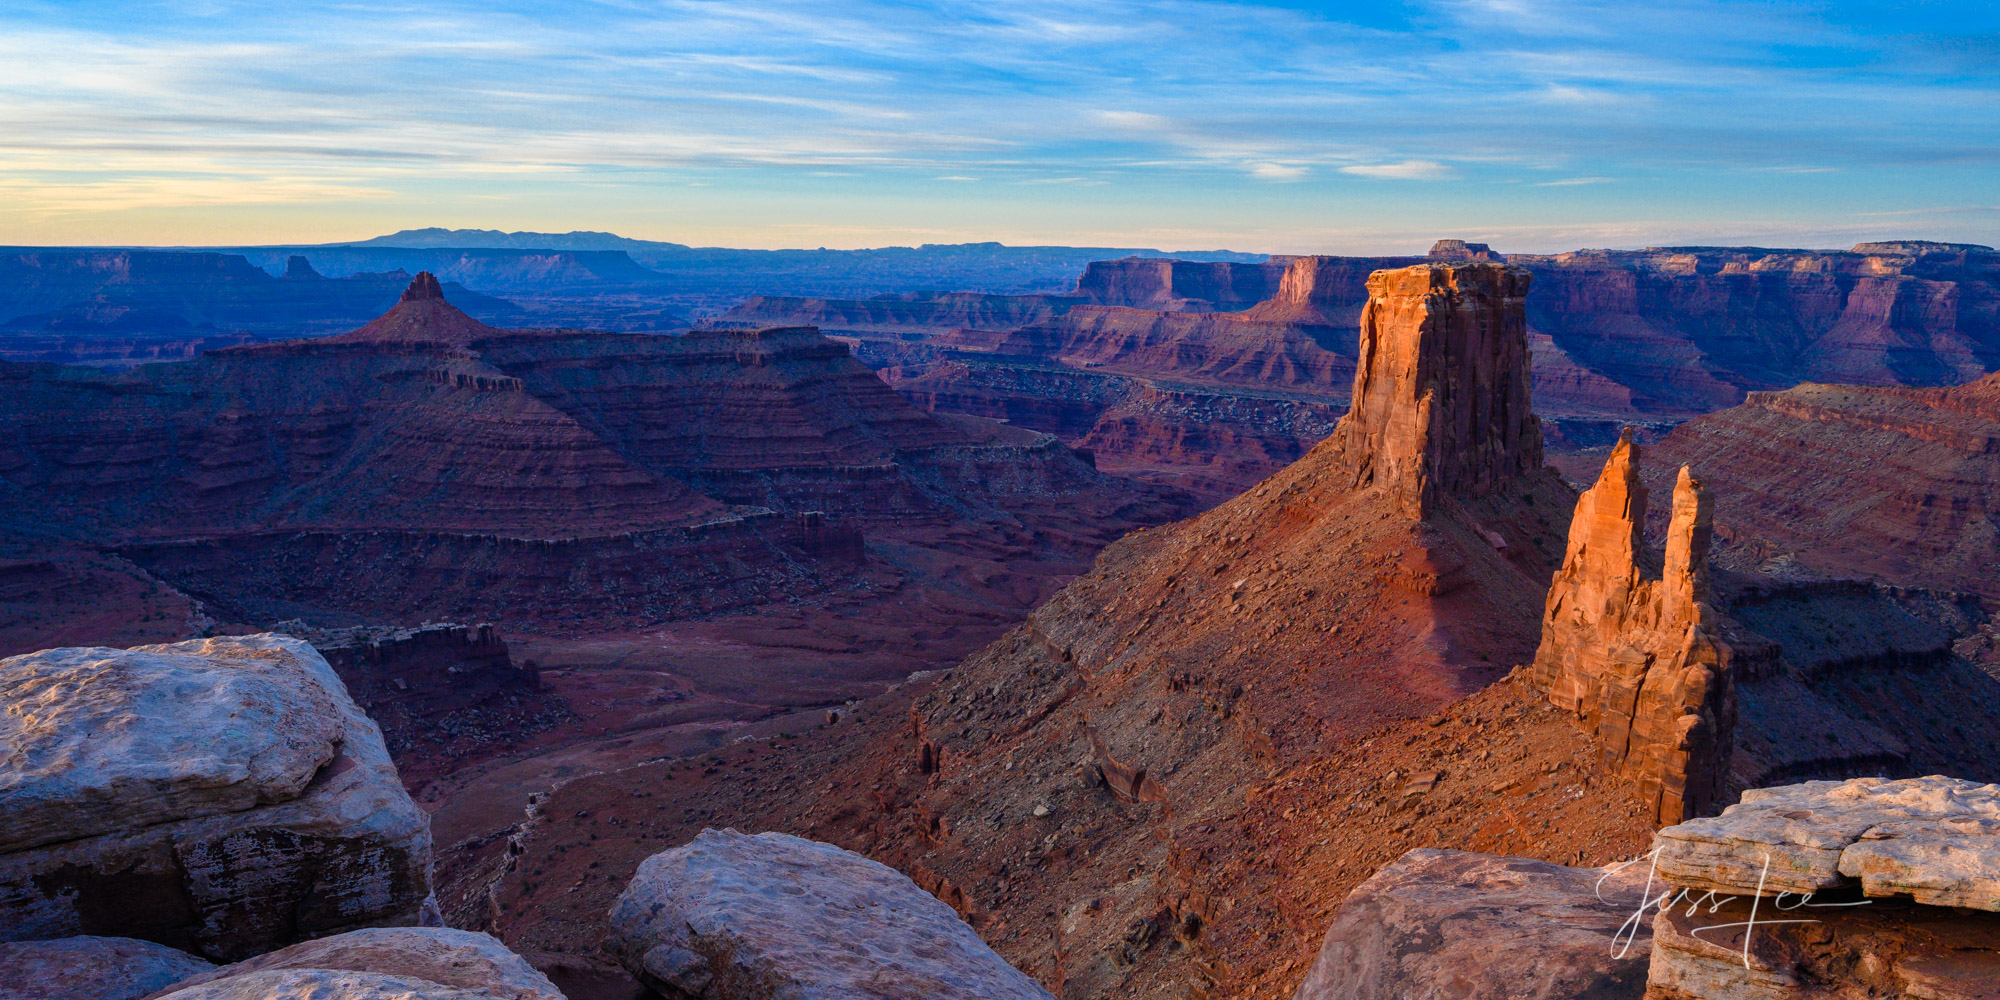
(1480,927)
(1867,887)
(224,796)
(91,968)
(1440,404)
(1638,657)
(1902,488)
(731,916)
(428,466)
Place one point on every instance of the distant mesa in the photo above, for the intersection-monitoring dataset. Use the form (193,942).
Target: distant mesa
(1455,250)
(298,268)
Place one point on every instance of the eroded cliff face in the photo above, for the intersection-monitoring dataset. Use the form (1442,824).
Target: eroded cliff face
(1903,486)
(429,466)
(1440,404)
(1639,337)
(1638,656)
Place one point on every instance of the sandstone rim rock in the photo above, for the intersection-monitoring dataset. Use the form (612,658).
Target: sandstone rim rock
(91,968)
(1935,840)
(466,960)
(1639,657)
(97,740)
(1440,404)
(1480,927)
(347,849)
(1867,887)
(731,916)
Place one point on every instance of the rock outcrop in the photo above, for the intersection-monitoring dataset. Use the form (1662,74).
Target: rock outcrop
(224,796)
(1868,887)
(1440,404)
(731,916)
(434,956)
(94,745)
(1639,657)
(1479,927)
(91,968)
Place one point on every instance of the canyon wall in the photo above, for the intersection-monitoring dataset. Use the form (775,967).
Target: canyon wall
(1642,338)
(429,465)
(1902,486)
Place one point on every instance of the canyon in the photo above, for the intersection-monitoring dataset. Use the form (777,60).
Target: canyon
(1163,782)
(1136,359)
(1008,677)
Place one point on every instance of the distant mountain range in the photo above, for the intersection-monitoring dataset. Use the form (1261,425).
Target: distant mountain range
(648,252)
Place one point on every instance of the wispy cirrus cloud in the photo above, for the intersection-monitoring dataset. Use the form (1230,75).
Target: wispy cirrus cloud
(1404,170)
(795,116)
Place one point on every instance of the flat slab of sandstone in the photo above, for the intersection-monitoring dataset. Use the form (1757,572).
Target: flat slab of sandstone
(1935,840)
(96,740)
(1483,927)
(730,915)
(91,968)
(344,848)
(442,956)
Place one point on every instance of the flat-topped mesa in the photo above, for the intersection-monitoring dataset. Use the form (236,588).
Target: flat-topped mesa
(1640,658)
(1461,250)
(1441,405)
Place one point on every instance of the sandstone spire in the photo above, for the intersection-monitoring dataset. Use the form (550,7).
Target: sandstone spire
(1440,403)
(423,286)
(1639,658)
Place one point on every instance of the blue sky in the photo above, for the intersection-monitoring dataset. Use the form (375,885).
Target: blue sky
(1285,127)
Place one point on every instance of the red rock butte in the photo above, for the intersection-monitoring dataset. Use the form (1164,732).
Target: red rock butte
(1440,404)
(421,317)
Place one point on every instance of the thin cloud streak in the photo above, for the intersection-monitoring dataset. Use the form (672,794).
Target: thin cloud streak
(1189,106)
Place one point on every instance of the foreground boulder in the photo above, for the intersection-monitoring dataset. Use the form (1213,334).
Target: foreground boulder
(1482,927)
(730,916)
(224,796)
(91,968)
(1834,889)
(325,984)
(440,956)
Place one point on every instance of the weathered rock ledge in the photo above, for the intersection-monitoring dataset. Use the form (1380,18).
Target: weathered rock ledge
(225,796)
(1833,889)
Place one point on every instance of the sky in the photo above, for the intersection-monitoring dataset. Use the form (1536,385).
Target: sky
(1534,125)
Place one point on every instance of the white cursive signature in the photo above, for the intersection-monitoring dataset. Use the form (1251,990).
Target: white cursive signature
(1621,942)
